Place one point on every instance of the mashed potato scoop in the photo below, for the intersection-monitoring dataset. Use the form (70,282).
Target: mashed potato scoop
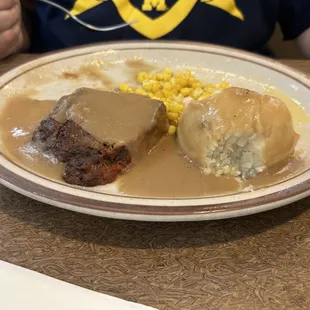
(237,132)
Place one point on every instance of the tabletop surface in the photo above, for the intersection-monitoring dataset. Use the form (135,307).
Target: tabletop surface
(255,262)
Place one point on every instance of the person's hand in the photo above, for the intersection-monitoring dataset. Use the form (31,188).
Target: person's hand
(13,36)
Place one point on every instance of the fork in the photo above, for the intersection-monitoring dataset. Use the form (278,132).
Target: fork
(89,26)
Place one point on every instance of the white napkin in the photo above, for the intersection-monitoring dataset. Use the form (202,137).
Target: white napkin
(23,289)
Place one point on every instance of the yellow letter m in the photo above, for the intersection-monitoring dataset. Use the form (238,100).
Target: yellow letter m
(160,5)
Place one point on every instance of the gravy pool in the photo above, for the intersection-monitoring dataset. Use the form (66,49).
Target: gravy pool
(164,173)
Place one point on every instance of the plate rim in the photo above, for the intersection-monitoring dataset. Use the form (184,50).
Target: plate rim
(129,209)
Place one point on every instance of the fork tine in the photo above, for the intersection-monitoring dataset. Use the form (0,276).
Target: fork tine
(89,26)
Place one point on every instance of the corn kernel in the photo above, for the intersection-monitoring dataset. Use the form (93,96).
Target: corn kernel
(159,94)
(159,76)
(174,92)
(172,116)
(156,87)
(191,81)
(185,91)
(172,130)
(148,86)
(177,87)
(140,91)
(176,108)
(223,85)
(204,96)
(197,84)
(168,100)
(210,90)
(123,88)
(168,94)
(167,86)
(197,93)
(166,77)
(181,81)
(130,90)
(178,99)
(169,71)
(141,77)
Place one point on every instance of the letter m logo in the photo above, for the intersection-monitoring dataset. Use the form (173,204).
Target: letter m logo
(149,5)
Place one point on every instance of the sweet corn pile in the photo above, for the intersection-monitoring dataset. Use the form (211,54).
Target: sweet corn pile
(172,88)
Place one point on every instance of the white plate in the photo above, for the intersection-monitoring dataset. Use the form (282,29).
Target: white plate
(211,63)
(23,289)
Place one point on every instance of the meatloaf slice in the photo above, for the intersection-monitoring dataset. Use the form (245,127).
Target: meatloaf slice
(97,135)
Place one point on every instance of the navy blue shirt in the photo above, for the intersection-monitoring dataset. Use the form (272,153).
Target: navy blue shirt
(245,24)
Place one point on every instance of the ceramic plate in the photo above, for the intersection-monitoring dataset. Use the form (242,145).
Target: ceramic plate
(43,78)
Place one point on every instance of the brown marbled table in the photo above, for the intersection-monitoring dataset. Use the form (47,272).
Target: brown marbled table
(250,263)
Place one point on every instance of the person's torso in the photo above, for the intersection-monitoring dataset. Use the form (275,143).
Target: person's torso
(242,24)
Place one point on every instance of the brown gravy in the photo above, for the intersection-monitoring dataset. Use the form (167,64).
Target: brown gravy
(166,173)
(277,173)
(90,71)
(139,65)
(135,66)
(18,120)
(163,173)
(110,117)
